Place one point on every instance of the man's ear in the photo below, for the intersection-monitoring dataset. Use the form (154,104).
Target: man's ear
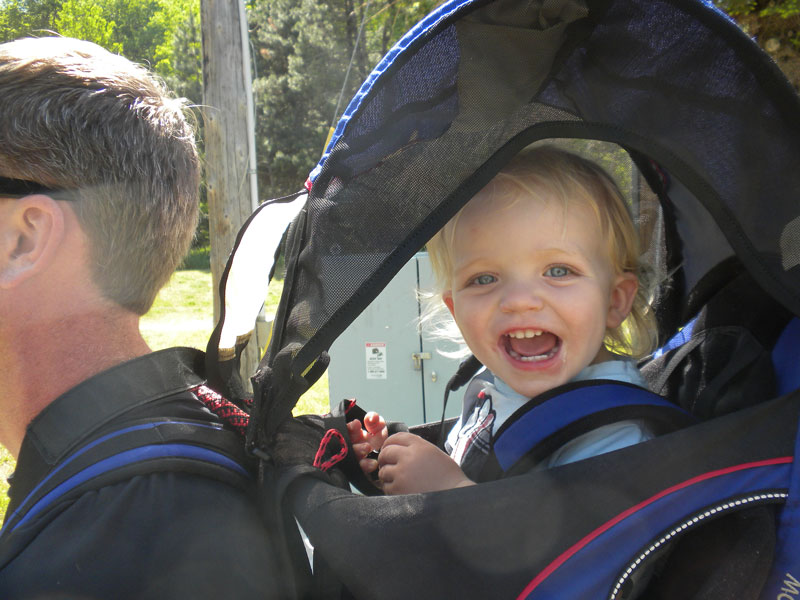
(31,232)
(622,295)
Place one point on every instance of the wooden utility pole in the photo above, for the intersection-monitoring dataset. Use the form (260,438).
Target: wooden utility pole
(229,146)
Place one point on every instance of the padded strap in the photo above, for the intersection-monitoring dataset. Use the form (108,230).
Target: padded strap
(538,429)
(145,447)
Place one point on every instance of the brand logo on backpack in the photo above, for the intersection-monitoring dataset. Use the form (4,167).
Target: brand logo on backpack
(790,589)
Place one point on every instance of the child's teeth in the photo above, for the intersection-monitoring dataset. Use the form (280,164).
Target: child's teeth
(536,358)
(525,333)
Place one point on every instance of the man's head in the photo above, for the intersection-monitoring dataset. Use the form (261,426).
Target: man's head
(110,138)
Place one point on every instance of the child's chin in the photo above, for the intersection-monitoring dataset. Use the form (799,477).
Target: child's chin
(531,391)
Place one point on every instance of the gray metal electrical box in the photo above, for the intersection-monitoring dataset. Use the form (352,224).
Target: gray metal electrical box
(384,362)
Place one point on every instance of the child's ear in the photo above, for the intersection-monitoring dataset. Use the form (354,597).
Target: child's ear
(622,295)
(30,234)
(447,298)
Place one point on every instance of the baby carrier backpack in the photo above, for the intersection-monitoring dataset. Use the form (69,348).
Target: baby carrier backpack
(707,132)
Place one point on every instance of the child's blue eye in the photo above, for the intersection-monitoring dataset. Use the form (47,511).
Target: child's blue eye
(484,279)
(558,271)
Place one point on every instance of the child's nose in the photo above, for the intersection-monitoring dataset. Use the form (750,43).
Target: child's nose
(522,297)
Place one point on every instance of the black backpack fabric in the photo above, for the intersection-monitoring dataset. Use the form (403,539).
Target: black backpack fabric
(702,132)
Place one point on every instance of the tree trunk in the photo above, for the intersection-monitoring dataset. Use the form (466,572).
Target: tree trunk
(226,94)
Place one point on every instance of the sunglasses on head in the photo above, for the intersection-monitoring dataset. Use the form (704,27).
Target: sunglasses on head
(20,188)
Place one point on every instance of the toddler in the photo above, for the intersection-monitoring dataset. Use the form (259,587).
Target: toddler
(540,272)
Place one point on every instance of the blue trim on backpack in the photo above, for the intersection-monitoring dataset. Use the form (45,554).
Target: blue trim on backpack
(126,458)
(122,459)
(591,568)
(677,340)
(428,23)
(786,358)
(542,420)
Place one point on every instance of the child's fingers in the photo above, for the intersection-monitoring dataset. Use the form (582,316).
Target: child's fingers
(356,433)
(374,423)
(386,477)
(377,440)
(391,452)
(361,450)
(402,438)
(368,465)
(377,432)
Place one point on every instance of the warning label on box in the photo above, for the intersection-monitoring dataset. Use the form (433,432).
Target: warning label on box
(376,360)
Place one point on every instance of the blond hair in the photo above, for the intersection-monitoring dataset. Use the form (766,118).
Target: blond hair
(75,117)
(544,172)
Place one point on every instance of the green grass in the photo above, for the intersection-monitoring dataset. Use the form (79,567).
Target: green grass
(183,312)
(6,468)
(182,315)
(198,258)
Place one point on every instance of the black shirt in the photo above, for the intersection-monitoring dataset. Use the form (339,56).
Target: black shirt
(158,535)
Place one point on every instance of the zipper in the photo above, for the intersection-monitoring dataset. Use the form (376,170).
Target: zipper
(691,522)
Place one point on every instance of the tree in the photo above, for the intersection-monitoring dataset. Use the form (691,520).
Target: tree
(775,24)
(20,18)
(392,20)
(142,30)
(299,46)
(84,19)
(180,58)
(302,52)
(183,72)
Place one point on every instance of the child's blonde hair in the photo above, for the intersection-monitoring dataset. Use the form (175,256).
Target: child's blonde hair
(545,172)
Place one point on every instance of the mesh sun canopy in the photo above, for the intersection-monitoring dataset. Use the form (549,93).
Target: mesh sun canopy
(674,83)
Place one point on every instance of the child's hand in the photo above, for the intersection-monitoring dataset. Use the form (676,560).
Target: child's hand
(369,440)
(409,464)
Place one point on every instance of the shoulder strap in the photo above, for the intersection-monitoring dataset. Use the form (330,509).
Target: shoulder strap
(538,429)
(145,447)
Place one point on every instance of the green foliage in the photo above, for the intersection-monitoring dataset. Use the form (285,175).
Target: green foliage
(84,19)
(736,7)
(182,315)
(783,9)
(20,18)
(198,258)
(146,31)
(767,20)
(297,52)
(392,20)
(7,465)
(180,59)
(302,52)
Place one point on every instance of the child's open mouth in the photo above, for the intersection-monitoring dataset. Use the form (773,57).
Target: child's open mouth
(531,345)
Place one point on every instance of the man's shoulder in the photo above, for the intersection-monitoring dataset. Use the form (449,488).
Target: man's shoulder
(180,534)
